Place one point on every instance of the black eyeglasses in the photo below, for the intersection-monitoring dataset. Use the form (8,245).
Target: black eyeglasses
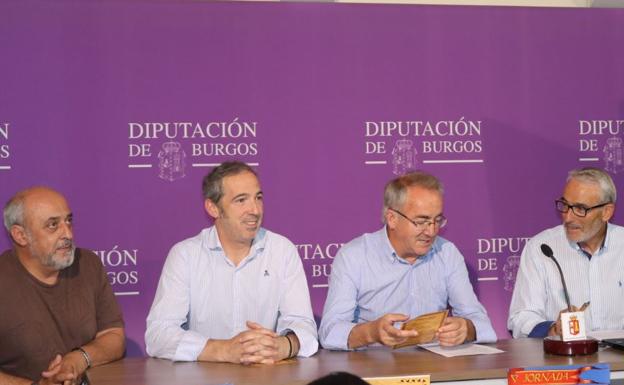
(422,224)
(578,210)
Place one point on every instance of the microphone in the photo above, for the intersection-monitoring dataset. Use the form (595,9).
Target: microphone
(549,253)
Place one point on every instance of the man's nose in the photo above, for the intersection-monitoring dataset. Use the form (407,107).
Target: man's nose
(568,215)
(256,207)
(67,230)
(431,228)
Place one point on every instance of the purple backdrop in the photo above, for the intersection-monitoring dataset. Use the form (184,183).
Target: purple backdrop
(329,100)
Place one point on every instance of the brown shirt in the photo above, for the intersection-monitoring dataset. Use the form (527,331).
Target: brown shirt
(38,321)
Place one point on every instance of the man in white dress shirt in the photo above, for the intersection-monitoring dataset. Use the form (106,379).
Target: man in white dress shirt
(236,292)
(590,251)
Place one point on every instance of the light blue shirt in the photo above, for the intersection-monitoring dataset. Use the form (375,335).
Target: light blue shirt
(538,295)
(201,295)
(369,279)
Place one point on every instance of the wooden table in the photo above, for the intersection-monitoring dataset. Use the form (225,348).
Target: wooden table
(374,362)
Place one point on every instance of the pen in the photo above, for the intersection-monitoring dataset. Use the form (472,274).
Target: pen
(584,306)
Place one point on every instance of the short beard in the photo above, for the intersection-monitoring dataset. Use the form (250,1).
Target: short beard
(50,260)
(56,264)
(590,233)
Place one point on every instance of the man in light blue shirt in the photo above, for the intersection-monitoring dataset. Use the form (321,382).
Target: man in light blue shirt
(235,292)
(400,272)
(590,251)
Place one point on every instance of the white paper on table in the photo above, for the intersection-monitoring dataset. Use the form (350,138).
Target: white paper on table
(461,350)
(604,334)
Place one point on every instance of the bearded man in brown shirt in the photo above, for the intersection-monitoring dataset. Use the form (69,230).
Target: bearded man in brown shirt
(58,314)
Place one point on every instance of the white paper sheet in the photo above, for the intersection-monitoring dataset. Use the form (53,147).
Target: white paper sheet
(462,350)
(603,334)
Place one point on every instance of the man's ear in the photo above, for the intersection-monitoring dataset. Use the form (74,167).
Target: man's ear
(608,212)
(18,233)
(391,218)
(211,208)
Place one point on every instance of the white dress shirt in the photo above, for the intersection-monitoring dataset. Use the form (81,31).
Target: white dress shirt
(538,295)
(201,295)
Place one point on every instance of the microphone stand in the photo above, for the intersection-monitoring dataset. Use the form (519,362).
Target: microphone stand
(549,253)
(557,345)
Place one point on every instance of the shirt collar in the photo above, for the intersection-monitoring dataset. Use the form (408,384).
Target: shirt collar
(257,245)
(607,239)
(391,254)
(212,241)
(386,246)
(603,246)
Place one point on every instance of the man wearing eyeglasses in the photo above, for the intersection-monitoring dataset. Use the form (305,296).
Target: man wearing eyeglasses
(590,251)
(400,272)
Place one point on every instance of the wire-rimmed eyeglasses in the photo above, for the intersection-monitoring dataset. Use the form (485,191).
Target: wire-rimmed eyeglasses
(422,223)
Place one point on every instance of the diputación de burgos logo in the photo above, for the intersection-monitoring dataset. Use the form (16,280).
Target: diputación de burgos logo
(317,259)
(601,145)
(498,254)
(405,144)
(5,149)
(121,267)
(172,147)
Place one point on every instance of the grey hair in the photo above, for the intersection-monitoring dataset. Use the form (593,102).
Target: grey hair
(212,185)
(13,212)
(596,176)
(395,190)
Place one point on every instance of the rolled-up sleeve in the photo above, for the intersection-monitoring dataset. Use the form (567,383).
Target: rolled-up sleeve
(463,300)
(295,308)
(528,301)
(165,337)
(340,306)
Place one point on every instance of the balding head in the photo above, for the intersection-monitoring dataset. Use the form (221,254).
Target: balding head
(15,210)
(39,222)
